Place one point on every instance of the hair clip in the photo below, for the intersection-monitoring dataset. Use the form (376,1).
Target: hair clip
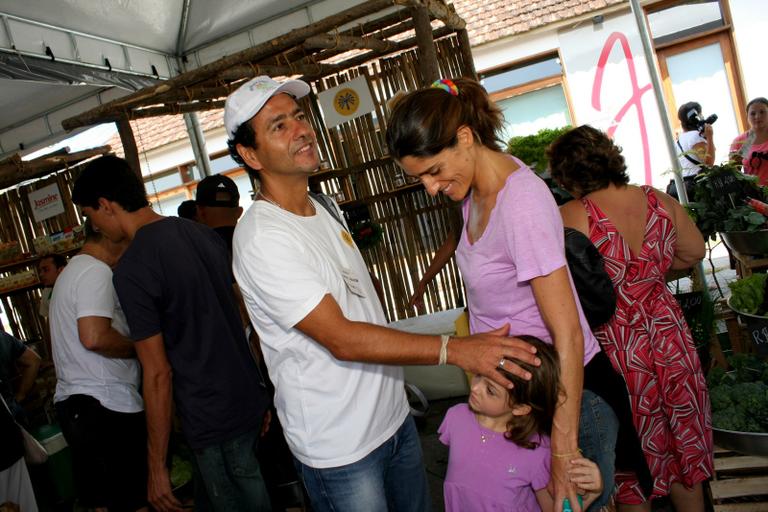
(446,85)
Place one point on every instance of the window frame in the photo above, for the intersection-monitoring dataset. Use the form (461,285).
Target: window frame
(532,85)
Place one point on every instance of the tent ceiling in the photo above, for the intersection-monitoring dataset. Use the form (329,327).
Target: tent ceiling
(153,24)
(139,38)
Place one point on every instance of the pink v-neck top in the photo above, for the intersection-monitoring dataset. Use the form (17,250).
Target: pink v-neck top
(523,240)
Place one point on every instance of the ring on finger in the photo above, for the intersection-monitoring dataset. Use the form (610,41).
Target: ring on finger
(501,362)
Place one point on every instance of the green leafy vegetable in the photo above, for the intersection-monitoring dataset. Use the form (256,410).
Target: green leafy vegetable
(181,471)
(740,398)
(747,294)
(717,210)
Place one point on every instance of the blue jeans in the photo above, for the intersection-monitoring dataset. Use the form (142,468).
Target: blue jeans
(231,476)
(391,477)
(598,429)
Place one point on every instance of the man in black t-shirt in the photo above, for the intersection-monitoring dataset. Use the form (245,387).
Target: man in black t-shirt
(175,287)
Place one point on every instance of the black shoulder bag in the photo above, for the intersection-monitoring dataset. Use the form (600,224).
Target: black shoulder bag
(592,282)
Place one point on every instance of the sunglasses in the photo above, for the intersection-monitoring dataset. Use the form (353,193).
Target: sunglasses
(756,160)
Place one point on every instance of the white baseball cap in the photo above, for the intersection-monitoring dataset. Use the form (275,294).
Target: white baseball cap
(250,97)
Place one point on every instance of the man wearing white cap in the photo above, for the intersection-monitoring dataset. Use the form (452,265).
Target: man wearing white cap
(337,372)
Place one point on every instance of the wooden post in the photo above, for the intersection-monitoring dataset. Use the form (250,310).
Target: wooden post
(129,145)
(426,44)
(466,53)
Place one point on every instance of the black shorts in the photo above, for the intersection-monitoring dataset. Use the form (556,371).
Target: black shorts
(109,453)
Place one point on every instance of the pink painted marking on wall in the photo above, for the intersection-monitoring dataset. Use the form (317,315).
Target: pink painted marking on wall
(635,99)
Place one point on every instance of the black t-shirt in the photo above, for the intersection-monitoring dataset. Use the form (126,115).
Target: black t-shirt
(175,280)
(226,233)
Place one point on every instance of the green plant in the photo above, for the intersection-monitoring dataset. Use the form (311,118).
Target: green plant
(719,200)
(532,149)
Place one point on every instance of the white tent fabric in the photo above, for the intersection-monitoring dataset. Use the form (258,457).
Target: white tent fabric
(62,57)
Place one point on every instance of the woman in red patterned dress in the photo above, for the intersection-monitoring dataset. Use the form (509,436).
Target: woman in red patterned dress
(642,233)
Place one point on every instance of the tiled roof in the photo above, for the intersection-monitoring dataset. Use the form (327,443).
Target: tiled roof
(489,20)
(155,132)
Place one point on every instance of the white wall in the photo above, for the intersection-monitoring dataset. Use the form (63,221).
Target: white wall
(623,104)
(580,46)
(179,152)
(750,21)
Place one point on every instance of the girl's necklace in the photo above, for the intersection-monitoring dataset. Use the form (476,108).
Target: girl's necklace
(484,437)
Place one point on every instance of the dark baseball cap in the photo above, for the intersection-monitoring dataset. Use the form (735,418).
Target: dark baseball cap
(217,190)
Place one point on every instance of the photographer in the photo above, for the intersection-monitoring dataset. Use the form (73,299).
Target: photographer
(696,145)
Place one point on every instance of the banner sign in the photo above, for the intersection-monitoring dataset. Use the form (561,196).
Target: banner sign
(346,101)
(46,202)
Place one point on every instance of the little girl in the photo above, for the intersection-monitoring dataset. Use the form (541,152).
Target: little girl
(499,443)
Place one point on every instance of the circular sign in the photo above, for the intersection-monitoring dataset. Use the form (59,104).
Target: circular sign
(346,102)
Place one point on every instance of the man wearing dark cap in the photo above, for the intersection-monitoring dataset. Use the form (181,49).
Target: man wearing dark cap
(218,205)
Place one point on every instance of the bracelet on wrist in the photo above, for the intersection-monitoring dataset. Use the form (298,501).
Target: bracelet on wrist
(443,359)
(567,455)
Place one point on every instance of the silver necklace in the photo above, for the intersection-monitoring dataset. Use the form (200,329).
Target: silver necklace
(272,201)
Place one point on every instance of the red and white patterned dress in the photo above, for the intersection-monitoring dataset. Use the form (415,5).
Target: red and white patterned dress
(649,342)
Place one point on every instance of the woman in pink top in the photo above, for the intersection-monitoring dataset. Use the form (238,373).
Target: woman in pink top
(511,256)
(751,147)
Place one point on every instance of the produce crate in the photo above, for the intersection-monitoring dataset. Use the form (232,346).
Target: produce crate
(740,483)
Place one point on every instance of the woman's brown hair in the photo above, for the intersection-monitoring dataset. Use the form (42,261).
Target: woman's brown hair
(424,122)
(541,393)
(584,160)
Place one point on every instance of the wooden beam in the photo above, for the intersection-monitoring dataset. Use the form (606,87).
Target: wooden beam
(300,68)
(14,170)
(363,58)
(260,51)
(426,43)
(346,43)
(175,109)
(384,28)
(129,145)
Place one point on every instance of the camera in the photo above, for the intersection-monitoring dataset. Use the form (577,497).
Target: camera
(700,122)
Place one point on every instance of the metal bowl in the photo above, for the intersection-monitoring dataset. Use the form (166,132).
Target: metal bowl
(752,243)
(748,443)
(757,327)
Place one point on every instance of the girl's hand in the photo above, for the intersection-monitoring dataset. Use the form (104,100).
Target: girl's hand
(586,476)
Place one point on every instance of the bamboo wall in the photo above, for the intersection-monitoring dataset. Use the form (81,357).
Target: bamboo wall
(17,224)
(414,223)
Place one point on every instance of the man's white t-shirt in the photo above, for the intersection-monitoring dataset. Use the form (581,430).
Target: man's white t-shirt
(333,412)
(84,288)
(687,141)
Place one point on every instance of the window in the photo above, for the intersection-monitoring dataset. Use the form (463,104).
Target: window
(684,19)
(531,96)
(697,62)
